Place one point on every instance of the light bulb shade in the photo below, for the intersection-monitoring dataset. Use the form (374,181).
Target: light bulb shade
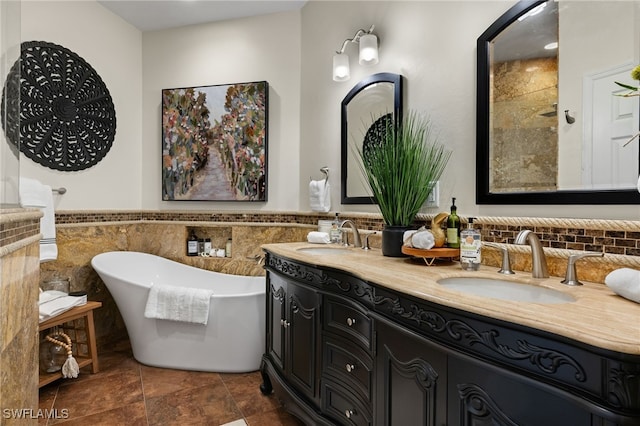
(341,67)
(368,49)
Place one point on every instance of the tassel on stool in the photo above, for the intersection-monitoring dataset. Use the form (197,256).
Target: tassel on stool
(70,368)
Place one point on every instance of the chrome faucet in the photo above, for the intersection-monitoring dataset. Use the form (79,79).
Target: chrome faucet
(538,260)
(571,277)
(356,235)
(365,246)
(506,262)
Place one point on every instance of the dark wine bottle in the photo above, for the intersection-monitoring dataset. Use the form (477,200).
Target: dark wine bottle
(192,244)
(453,227)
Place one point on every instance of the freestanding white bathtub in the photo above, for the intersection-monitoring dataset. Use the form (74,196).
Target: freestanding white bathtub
(233,339)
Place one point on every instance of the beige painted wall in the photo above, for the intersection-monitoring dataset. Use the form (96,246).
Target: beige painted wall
(431,43)
(419,40)
(114,49)
(244,50)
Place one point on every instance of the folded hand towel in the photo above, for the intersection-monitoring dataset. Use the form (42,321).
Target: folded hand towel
(58,304)
(423,240)
(178,304)
(35,194)
(49,295)
(625,282)
(318,237)
(320,195)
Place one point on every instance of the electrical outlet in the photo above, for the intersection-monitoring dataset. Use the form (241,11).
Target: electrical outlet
(434,198)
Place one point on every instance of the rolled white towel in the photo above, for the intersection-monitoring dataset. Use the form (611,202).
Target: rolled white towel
(318,237)
(406,237)
(625,282)
(423,240)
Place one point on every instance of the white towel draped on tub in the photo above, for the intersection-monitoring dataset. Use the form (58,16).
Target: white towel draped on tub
(175,303)
(35,194)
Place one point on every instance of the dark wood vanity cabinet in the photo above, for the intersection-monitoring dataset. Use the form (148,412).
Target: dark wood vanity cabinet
(344,351)
(293,341)
(411,378)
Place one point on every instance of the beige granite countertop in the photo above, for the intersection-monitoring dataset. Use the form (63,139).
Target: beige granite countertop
(597,317)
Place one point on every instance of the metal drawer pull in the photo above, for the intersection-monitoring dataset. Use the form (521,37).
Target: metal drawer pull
(350,322)
(350,368)
(284,323)
(349,413)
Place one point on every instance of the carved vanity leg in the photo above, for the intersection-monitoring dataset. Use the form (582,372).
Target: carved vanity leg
(265,387)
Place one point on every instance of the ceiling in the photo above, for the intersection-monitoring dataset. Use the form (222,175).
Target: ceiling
(152,15)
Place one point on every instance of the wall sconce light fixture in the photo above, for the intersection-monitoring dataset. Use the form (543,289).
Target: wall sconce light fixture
(368,53)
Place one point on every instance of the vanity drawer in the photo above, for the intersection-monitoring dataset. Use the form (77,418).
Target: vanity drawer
(348,364)
(343,405)
(347,320)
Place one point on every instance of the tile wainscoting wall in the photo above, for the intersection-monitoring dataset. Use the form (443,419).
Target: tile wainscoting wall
(83,234)
(19,275)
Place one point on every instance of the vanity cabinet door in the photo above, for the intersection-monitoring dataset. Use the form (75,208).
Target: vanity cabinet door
(411,382)
(480,393)
(276,309)
(303,339)
(293,326)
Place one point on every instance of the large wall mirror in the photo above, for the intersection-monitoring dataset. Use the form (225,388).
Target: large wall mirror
(366,106)
(550,128)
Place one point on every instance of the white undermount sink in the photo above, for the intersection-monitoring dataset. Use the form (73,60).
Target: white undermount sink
(506,290)
(322,251)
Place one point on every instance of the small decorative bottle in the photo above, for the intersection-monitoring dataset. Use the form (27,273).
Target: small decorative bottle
(207,246)
(192,244)
(228,248)
(470,245)
(453,227)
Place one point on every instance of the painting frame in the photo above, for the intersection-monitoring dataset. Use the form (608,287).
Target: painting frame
(215,142)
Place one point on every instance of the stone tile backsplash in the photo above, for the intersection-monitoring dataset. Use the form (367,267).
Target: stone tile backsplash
(599,240)
(609,236)
(83,234)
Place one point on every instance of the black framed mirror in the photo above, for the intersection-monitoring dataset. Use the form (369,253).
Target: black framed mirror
(547,144)
(371,100)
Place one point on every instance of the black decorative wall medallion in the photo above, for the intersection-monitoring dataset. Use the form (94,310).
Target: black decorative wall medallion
(67,120)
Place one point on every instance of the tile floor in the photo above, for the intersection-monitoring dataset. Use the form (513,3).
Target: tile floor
(128,393)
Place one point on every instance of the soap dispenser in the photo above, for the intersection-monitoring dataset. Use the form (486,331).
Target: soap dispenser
(335,234)
(470,245)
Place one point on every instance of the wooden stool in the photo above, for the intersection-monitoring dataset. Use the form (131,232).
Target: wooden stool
(79,312)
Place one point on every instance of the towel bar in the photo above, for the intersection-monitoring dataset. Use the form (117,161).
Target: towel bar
(324,170)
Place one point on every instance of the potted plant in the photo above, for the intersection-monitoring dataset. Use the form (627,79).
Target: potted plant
(401,165)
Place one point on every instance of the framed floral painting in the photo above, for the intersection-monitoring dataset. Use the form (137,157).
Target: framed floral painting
(214,142)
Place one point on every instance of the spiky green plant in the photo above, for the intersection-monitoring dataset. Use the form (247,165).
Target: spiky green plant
(403,167)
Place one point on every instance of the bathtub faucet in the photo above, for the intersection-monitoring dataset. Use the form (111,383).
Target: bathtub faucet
(258,258)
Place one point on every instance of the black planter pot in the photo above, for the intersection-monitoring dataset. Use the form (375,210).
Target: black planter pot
(392,241)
